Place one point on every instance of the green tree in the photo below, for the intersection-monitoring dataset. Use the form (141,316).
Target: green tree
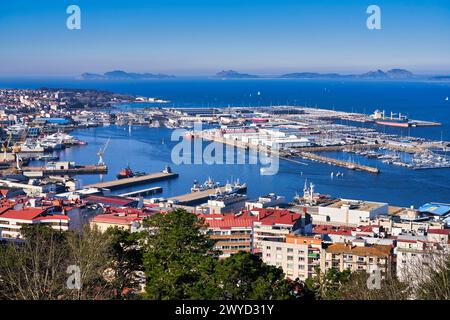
(244,276)
(178,257)
(127,255)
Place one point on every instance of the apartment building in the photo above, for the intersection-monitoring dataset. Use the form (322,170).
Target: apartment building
(298,256)
(275,224)
(231,232)
(356,256)
(349,212)
(416,253)
(12,219)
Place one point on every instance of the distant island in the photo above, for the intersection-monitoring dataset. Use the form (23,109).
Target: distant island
(378,74)
(122,75)
(231,74)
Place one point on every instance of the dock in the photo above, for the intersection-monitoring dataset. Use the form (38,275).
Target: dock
(143,192)
(128,182)
(340,163)
(199,196)
(89,169)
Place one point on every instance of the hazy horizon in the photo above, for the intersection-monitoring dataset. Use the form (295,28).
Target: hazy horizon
(201,38)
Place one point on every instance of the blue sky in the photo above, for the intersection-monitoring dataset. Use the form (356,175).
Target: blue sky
(202,37)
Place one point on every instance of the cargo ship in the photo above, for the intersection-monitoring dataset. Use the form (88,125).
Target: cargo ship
(394,120)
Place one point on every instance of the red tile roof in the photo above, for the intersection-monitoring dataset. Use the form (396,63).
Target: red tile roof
(277,216)
(30,214)
(228,221)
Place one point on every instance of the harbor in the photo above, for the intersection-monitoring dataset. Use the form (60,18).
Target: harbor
(336,148)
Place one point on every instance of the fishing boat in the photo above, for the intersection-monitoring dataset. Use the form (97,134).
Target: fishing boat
(208,184)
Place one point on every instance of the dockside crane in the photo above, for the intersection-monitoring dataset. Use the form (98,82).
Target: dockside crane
(6,146)
(101,152)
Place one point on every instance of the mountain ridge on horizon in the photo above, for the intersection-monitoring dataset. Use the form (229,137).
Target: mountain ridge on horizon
(392,74)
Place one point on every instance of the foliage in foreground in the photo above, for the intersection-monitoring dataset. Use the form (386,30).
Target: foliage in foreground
(177,260)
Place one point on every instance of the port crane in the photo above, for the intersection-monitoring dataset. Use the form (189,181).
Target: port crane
(101,152)
(6,146)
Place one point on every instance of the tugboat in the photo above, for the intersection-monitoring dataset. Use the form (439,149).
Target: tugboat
(128,173)
(125,173)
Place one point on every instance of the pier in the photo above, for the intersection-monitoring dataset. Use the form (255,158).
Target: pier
(128,182)
(143,192)
(89,169)
(340,163)
(200,196)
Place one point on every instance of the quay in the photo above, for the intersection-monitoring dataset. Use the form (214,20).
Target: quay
(340,163)
(422,123)
(143,192)
(49,170)
(200,196)
(127,182)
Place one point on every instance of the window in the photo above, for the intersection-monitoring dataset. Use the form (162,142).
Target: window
(268,247)
(278,248)
(301,266)
(290,258)
(290,250)
(301,259)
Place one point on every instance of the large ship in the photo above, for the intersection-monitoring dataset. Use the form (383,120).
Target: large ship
(394,120)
